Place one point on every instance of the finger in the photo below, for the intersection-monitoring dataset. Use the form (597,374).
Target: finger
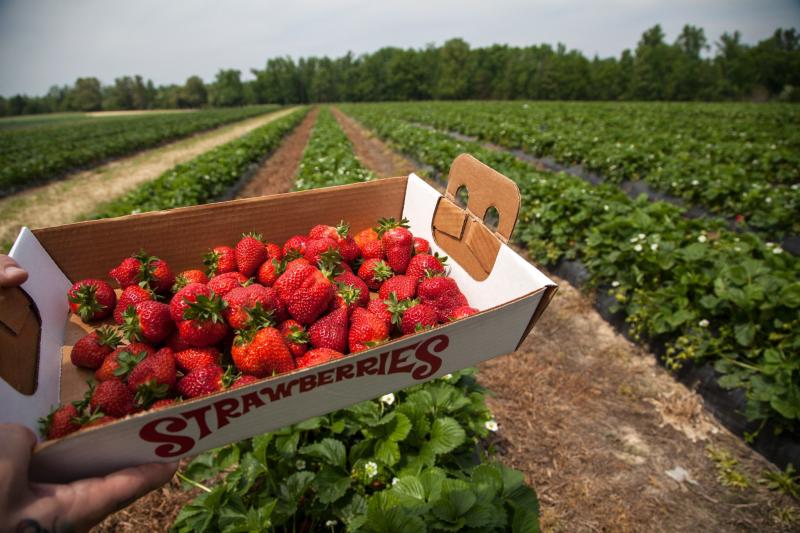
(88,501)
(11,274)
(18,442)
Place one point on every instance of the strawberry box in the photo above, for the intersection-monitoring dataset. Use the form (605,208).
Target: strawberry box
(37,331)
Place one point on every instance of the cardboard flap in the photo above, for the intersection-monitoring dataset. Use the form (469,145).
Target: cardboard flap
(19,340)
(462,233)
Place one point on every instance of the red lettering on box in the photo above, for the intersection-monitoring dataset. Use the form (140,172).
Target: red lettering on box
(438,344)
(200,416)
(398,358)
(325,377)
(308,383)
(226,409)
(344,372)
(249,400)
(172,445)
(366,366)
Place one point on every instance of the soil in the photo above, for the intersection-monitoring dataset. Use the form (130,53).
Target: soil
(276,175)
(599,429)
(66,200)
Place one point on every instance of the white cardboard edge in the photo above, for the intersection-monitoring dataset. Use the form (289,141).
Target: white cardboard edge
(47,286)
(511,277)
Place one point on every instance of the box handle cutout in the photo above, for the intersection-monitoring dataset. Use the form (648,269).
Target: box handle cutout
(20,336)
(464,233)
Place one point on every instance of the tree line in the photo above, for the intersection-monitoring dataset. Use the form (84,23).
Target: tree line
(687,69)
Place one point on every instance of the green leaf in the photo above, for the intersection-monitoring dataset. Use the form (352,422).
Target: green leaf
(286,445)
(694,252)
(526,520)
(384,516)
(455,501)
(409,491)
(330,485)
(744,333)
(387,451)
(487,482)
(331,451)
(791,295)
(446,435)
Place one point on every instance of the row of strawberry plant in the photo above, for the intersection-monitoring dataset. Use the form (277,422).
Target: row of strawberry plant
(328,158)
(32,154)
(708,294)
(208,176)
(410,461)
(739,161)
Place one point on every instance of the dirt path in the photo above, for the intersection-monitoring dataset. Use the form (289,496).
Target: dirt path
(595,424)
(372,152)
(277,173)
(66,200)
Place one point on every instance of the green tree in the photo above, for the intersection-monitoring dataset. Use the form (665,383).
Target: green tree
(454,70)
(86,95)
(227,89)
(194,93)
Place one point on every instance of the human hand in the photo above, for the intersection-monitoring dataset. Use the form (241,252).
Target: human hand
(11,274)
(77,506)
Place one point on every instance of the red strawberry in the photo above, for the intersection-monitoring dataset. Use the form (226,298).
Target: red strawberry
(347,297)
(119,363)
(318,356)
(62,421)
(418,317)
(269,271)
(365,236)
(250,253)
(374,272)
(274,251)
(316,247)
(192,358)
(163,402)
(220,260)
(261,352)
(441,293)
(462,312)
(421,246)
(176,343)
(189,276)
(422,265)
(113,398)
(244,380)
(159,367)
(398,243)
(305,291)
(131,295)
(405,287)
(201,381)
(149,321)
(323,231)
(351,280)
(250,306)
(379,308)
(142,268)
(128,272)
(295,336)
(300,261)
(91,299)
(184,297)
(90,351)
(296,244)
(330,331)
(157,275)
(203,323)
(225,283)
(373,250)
(366,330)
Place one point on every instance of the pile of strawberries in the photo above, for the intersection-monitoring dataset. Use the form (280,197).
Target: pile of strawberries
(257,310)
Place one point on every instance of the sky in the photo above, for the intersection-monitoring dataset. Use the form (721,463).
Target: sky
(53,42)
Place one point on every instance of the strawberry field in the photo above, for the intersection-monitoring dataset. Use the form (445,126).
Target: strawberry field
(711,291)
(31,152)
(705,293)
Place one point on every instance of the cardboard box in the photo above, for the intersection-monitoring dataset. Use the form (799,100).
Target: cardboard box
(510,293)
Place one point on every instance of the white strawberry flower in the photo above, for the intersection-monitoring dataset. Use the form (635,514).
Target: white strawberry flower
(695,183)
(703,323)
(331,523)
(615,284)
(300,464)
(638,248)
(447,377)
(388,399)
(395,480)
(605,208)
(371,469)
(702,238)
(654,246)
(491,425)
(777,250)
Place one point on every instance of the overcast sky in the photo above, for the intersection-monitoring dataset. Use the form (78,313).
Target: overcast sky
(47,42)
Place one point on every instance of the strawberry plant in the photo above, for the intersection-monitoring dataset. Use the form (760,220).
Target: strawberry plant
(36,153)
(737,161)
(206,177)
(707,293)
(409,461)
